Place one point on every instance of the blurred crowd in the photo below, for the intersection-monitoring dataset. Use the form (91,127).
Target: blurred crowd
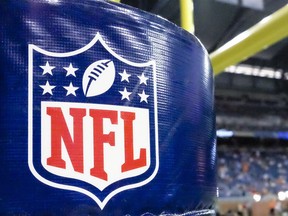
(249,170)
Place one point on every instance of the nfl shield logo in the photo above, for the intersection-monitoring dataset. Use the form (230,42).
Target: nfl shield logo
(92,122)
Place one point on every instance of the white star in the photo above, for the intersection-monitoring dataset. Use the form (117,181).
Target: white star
(143,96)
(143,79)
(70,70)
(47,69)
(125,94)
(47,88)
(124,76)
(71,89)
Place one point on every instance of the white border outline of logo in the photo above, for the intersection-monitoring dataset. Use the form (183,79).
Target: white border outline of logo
(98,37)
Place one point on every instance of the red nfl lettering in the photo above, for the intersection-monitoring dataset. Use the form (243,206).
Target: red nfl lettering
(74,146)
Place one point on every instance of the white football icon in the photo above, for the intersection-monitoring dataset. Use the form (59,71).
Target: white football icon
(98,77)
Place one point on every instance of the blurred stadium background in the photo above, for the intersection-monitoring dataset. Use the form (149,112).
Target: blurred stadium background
(251,101)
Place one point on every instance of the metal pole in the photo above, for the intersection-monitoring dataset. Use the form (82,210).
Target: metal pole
(268,31)
(186,13)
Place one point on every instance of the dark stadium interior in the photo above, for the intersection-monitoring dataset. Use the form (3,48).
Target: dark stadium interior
(251,101)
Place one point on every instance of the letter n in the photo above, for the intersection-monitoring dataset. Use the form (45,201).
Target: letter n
(59,132)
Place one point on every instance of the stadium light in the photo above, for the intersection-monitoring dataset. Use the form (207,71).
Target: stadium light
(281,195)
(223,133)
(286,194)
(257,197)
(251,70)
